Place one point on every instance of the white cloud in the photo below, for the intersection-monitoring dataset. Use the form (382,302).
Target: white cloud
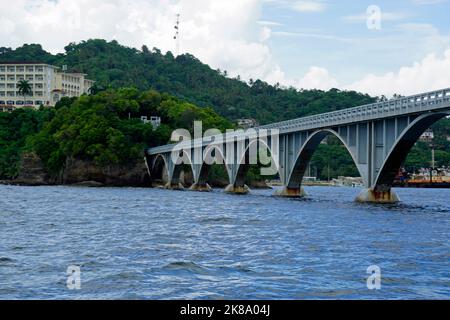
(308,34)
(224,34)
(432,73)
(317,78)
(385,16)
(308,6)
(269,23)
(425,2)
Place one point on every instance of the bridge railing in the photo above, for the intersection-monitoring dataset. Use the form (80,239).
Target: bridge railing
(405,105)
(434,100)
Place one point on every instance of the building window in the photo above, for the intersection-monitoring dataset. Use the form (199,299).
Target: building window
(38,102)
(11,69)
(10,102)
(19,102)
(2,69)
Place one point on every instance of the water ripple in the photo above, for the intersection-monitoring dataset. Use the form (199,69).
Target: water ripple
(157,244)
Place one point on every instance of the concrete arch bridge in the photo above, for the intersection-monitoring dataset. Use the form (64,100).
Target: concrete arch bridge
(378,136)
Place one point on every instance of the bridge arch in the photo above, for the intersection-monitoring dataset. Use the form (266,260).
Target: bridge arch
(206,168)
(243,165)
(159,168)
(175,173)
(401,148)
(295,177)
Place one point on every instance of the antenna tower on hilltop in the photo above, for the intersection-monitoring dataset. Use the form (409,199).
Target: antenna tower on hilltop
(176,37)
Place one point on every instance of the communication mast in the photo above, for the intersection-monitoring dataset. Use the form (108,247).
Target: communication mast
(177,35)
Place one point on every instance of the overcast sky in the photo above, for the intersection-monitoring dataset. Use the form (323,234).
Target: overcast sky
(307,44)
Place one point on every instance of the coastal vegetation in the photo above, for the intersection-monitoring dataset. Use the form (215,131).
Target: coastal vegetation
(104,127)
(15,128)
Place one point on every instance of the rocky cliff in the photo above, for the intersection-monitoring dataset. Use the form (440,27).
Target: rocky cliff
(82,172)
(86,173)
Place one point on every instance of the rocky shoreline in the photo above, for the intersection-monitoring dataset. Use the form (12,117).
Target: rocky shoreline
(82,173)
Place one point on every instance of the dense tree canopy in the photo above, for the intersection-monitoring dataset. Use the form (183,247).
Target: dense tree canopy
(15,128)
(185,77)
(104,126)
(107,128)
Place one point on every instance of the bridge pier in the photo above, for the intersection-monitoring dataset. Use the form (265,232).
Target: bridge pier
(232,189)
(174,186)
(287,192)
(374,196)
(201,187)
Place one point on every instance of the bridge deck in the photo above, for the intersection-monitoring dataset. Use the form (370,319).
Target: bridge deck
(430,101)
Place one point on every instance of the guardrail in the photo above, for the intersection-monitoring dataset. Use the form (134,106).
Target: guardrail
(405,105)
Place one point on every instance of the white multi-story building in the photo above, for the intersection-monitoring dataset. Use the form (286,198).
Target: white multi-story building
(427,136)
(48,85)
(71,84)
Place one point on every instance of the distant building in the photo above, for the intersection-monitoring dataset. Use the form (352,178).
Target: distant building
(427,136)
(71,84)
(247,123)
(48,85)
(155,121)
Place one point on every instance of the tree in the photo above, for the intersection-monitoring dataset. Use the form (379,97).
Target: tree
(145,49)
(95,88)
(24,89)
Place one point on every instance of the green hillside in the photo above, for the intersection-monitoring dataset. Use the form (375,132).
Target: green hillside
(185,83)
(185,77)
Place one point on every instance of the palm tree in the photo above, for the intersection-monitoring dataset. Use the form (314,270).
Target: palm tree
(95,88)
(24,89)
